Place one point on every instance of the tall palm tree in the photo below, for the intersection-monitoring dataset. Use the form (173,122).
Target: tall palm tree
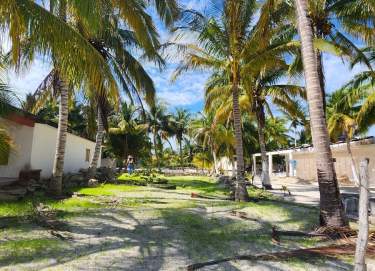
(221,46)
(351,108)
(180,123)
(334,24)
(260,86)
(34,30)
(331,208)
(101,36)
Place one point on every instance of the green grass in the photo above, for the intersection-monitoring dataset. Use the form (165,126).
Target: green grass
(106,190)
(74,203)
(15,251)
(126,176)
(25,208)
(198,184)
(186,223)
(19,208)
(202,238)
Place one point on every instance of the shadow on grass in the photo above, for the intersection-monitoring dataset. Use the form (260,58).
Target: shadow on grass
(204,186)
(123,239)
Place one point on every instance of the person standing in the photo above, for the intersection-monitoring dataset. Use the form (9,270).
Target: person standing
(130,164)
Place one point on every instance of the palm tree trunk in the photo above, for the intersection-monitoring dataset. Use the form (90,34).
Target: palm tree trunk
(241,191)
(320,71)
(98,142)
(180,146)
(215,162)
(58,165)
(233,168)
(266,182)
(156,152)
(331,208)
(354,170)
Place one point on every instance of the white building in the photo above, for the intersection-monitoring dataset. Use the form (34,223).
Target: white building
(35,146)
(300,162)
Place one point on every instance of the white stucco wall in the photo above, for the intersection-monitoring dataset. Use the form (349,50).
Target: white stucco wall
(306,168)
(19,158)
(44,145)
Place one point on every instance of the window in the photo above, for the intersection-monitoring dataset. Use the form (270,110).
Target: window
(87,155)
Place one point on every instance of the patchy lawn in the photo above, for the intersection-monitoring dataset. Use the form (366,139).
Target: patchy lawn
(123,227)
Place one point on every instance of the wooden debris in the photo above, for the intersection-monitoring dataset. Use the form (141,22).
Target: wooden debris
(327,251)
(243,215)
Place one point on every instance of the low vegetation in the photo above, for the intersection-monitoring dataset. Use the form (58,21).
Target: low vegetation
(114,220)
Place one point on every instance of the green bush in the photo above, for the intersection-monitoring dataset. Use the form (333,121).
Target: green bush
(140,179)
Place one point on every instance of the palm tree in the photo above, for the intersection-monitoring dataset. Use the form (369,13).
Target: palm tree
(342,113)
(34,30)
(6,99)
(180,123)
(204,131)
(331,208)
(296,120)
(351,108)
(363,83)
(161,127)
(127,134)
(332,22)
(259,87)
(132,15)
(222,44)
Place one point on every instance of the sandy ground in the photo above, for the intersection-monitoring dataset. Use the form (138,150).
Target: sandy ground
(170,232)
(302,191)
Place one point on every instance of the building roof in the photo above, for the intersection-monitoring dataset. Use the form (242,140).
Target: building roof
(23,117)
(309,147)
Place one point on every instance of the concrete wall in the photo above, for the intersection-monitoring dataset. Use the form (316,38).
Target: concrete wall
(306,168)
(19,158)
(44,145)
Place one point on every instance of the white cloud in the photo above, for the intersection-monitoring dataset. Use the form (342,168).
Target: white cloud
(186,91)
(337,72)
(28,80)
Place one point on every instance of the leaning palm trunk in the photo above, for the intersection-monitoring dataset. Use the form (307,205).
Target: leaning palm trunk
(241,191)
(58,165)
(331,208)
(265,177)
(98,142)
(352,162)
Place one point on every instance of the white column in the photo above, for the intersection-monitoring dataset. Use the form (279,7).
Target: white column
(291,168)
(270,165)
(287,162)
(254,165)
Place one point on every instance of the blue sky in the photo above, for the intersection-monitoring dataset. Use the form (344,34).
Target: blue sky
(187,90)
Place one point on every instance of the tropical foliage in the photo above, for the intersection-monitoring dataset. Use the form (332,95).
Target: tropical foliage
(255,52)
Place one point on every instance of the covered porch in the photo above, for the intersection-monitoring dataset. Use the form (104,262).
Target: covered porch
(280,163)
